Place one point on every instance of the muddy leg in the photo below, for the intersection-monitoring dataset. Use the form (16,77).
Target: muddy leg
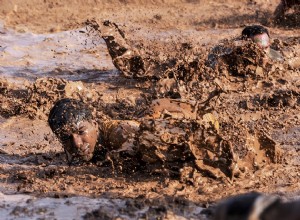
(125,58)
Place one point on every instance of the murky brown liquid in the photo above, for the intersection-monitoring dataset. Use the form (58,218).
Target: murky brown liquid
(69,55)
(257,114)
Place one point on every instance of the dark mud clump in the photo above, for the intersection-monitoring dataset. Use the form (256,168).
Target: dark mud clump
(37,98)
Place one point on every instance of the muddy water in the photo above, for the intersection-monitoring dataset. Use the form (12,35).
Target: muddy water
(32,160)
(290,140)
(29,207)
(70,55)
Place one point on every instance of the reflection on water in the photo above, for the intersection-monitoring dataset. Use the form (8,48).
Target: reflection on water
(70,54)
(29,207)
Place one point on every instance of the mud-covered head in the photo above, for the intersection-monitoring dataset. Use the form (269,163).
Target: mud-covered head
(251,31)
(72,122)
(259,34)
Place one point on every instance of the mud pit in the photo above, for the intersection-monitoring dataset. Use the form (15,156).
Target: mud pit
(254,112)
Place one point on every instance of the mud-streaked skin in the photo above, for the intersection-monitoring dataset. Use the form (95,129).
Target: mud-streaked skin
(79,140)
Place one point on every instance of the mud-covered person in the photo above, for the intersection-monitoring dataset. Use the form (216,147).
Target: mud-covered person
(242,48)
(159,143)
(134,63)
(252,47)
(260,35)
(84,138)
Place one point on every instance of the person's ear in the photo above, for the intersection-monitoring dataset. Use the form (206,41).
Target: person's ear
(95,123)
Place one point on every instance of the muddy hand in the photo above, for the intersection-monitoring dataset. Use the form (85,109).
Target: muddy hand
(125,58)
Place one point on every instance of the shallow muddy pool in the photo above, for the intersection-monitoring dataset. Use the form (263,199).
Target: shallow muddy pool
(70,55)
(35,179)
(29,207)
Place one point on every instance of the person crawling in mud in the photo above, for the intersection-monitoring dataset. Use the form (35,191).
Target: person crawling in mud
(252,48)
(72,121)
(260,35)
(155,143)
(170,143)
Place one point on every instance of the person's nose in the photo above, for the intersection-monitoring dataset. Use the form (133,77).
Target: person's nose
(76,141)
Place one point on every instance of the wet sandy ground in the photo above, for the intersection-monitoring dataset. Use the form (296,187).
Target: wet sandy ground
(37,183)
(27,207)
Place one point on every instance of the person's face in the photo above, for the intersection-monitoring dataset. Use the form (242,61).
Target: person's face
(262,40)
(79,140)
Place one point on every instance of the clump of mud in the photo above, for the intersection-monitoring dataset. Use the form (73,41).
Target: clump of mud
(246,59)
(36,99)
